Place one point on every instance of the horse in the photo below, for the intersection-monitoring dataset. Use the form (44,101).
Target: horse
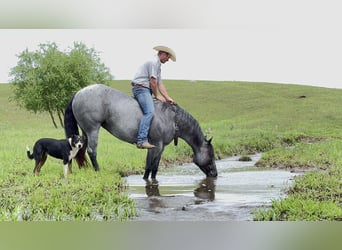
(99,105)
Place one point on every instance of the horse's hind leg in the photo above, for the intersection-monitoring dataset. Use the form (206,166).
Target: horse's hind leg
(152,162)
(92,148)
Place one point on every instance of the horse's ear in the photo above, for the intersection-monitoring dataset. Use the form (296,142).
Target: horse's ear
(209,141)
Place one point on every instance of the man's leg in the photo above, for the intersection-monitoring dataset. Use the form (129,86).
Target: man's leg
(146,104)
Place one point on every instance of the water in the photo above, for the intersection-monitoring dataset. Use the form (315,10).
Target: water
(183,194)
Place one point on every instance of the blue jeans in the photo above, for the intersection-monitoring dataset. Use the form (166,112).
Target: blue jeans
(144,98)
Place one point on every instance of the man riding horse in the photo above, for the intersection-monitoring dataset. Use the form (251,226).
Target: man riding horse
(130,119)
(147,81)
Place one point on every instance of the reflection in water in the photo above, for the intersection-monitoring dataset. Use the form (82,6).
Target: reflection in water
(206,189)
(152,188)
(154,200)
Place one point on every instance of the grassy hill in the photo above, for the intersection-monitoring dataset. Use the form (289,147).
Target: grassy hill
(299,127)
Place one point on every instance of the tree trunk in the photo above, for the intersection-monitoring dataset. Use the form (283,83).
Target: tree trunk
(52,118)
(60,118)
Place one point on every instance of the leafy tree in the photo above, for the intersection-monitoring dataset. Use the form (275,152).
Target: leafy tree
(44,80)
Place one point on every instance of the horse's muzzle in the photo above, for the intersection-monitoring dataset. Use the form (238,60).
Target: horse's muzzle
(212,173)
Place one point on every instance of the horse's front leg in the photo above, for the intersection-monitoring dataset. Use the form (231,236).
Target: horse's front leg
(152,162)
(146,174)
(148,164)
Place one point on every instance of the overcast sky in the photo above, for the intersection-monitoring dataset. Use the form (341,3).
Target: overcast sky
(297,42)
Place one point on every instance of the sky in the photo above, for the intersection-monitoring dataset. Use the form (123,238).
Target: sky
(296,42)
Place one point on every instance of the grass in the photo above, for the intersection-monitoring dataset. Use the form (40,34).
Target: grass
(318,194)
(49,197)
(298,127)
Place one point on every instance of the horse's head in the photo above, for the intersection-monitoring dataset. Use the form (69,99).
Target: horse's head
(205,159)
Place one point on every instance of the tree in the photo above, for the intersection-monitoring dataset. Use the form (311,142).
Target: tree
(46,79)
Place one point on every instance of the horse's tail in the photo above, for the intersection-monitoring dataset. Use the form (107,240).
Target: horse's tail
(70,123)
(71,128)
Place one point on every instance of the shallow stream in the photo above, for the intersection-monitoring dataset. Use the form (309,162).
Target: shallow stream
(184,194)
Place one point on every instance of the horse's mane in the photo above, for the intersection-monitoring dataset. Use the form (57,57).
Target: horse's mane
(187,127)
(187,124)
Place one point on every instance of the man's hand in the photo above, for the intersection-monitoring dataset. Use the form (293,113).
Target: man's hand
(161,98)
(171,101)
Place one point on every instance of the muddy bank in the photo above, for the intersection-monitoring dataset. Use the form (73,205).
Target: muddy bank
(183,194)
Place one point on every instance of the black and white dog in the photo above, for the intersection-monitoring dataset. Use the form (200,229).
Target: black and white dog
(65,150)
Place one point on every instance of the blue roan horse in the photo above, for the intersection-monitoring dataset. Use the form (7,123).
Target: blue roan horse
(99,105)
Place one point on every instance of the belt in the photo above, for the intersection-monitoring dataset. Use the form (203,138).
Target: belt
(139,86)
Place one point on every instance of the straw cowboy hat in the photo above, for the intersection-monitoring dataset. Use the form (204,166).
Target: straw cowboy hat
(167,50)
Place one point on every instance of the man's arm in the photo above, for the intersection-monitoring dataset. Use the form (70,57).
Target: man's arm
(163,91)
(155,91)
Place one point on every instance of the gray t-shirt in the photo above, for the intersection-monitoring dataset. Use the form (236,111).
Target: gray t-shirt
(146,71)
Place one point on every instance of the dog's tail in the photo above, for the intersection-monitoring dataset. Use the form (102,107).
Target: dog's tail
(29,155)
(71,128)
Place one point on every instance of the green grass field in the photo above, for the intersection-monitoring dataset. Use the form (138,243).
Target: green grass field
(298,127)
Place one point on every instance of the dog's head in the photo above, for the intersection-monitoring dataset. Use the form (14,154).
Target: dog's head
(77,141)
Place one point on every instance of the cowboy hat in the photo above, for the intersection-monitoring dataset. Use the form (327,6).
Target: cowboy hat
(167,50)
